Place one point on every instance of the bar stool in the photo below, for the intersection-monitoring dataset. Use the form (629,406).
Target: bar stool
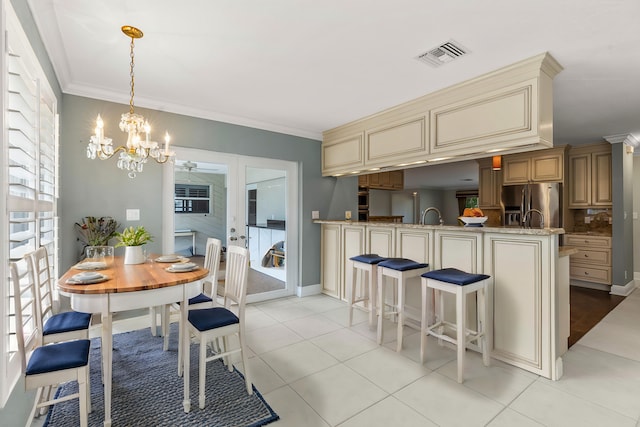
(363,265)
(460,284)
(400,269)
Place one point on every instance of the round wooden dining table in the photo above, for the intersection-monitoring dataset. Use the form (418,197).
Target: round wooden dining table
(131,287)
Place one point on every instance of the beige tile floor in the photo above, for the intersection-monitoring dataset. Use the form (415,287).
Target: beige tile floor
(315,371)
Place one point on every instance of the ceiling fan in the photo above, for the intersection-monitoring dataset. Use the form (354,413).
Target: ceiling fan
(189,166)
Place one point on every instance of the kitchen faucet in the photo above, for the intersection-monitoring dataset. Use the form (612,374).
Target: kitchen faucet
(526,215)
(424,214)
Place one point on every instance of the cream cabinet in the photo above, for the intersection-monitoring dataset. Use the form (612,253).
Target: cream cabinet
(396,141)
(590,176)
(592,262)
(538,166)
(343,154)
(510,109)
(490,185)
(343,241)
(330,258)
(523,285)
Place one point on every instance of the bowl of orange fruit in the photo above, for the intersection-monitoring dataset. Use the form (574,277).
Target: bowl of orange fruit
(473,217)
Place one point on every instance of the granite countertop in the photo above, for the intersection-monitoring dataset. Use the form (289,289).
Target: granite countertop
(504,230)
(567,250)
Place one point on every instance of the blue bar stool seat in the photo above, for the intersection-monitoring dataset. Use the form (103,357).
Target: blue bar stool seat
(400,269)
(364,269)
(460,284)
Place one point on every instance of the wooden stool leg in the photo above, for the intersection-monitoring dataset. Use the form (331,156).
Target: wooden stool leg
(381,289)
(461,330)
(373,284)
(482,299)
(354,276)
(439,297)
(423,323)
(400,309)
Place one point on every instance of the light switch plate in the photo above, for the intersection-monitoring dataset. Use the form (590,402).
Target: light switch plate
(315,214)
(347,215)
(133,214)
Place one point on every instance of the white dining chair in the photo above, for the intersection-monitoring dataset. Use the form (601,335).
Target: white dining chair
(218,324)
(45,366)
(206,299)
(55,326)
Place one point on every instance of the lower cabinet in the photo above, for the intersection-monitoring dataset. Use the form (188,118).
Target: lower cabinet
(330,258)
(592,262)
(528,314)
(524,322)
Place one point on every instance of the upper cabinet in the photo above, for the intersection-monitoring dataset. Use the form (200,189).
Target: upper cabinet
(590,176)
(489,185)
(538,166)
(392,180)
(343,153)
(510,110)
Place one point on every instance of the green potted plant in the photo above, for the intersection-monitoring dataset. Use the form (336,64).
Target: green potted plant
(132,239)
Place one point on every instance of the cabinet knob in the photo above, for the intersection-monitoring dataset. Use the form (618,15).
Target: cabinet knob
(586,273)
(586,255)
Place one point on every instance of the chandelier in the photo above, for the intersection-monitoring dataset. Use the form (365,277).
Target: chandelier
(137,151)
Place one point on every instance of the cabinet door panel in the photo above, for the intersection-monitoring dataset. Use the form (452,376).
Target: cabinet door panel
(516,171)
(381,241)
(579,181)
(519,291)
(330,258)
(601,179)
(506,114)
(397,141)
(346,153)
(547,168)
(352,245)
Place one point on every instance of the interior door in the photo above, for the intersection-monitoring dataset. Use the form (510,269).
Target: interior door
(230,213)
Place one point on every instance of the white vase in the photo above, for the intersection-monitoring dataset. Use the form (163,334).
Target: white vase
(134,255)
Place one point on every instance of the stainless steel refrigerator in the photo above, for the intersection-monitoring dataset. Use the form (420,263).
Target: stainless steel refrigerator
(538,202)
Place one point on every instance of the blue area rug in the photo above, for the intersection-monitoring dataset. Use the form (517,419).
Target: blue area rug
(147,390)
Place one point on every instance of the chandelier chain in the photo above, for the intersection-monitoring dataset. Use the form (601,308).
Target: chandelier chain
(131,65)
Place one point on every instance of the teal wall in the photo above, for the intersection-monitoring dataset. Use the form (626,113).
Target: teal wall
(99,188)
(622,228)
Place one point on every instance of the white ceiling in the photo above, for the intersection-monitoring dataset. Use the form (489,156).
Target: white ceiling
(302,67)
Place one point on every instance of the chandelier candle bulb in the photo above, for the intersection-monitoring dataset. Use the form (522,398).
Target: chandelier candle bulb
(167,139)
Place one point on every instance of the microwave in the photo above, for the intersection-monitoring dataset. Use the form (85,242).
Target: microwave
(363,200)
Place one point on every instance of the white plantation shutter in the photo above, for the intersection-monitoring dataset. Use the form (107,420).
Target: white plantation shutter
(30,177)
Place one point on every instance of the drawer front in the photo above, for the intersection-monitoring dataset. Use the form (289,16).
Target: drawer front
(591,274)
(602,257)
(588,241)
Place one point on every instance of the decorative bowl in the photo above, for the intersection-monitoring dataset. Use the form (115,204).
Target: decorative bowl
(473,220)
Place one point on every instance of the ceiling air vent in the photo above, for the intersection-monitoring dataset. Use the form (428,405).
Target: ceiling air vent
(442,54)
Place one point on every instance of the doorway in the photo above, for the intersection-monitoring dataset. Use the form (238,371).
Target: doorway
(245,201)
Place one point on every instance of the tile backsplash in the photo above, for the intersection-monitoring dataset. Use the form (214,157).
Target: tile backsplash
(594,220)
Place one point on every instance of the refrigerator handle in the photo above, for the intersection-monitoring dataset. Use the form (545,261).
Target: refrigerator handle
(522,204)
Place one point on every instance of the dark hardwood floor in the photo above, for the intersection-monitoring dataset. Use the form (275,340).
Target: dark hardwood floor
(588,307)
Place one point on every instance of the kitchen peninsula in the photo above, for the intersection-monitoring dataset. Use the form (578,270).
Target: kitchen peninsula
(529,275)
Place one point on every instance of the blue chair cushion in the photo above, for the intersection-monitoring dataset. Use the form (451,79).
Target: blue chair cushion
(57,357)
(402,264)
(455,276)
(211,318)
(66,322)
(368,258)
(199,299)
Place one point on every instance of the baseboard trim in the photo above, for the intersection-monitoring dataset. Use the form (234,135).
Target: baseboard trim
(305,291)
(590,285)
(623,290)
